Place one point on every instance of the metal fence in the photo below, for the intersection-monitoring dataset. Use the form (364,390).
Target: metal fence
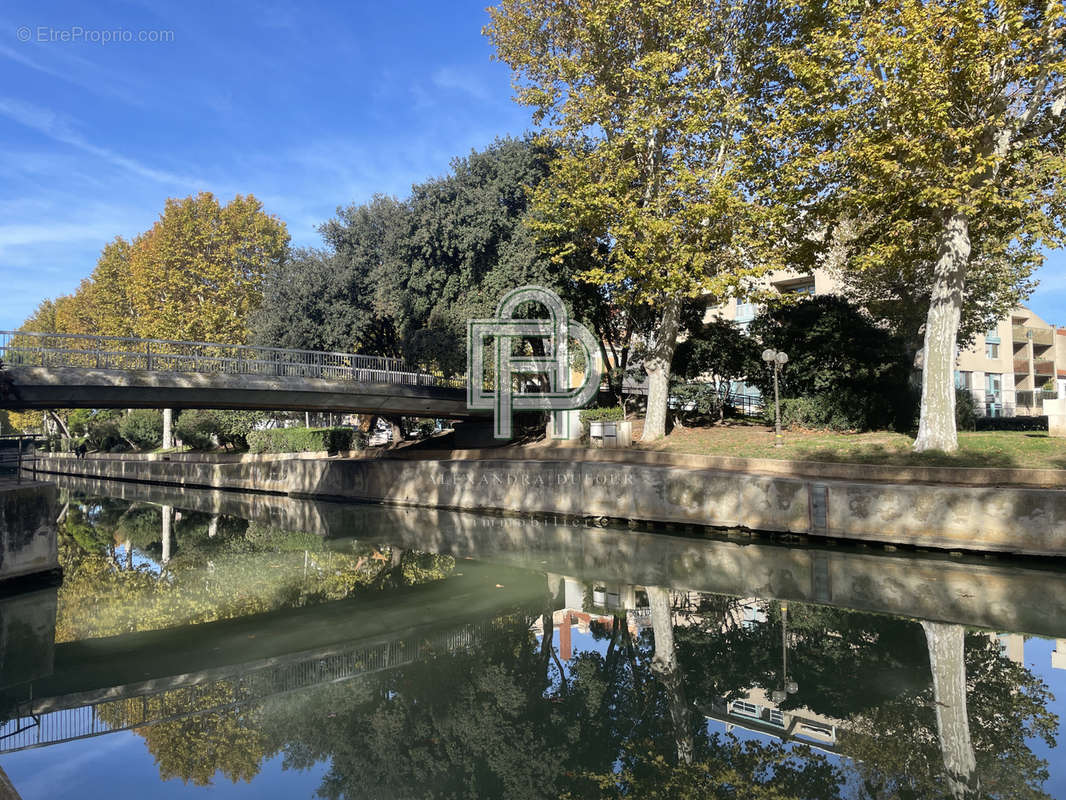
(25,349)
(18,453)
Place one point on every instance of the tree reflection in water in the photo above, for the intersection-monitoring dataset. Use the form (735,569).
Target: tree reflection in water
(919,712)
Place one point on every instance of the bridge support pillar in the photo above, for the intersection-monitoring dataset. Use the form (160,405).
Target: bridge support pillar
(168,428)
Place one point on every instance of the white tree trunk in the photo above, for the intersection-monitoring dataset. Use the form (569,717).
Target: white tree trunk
(168,428)
(936,427)
(167,533)
(947,663)
(665,665)
(657,363)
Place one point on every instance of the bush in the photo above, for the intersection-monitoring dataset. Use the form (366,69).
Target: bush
(817,412)
(965,410)
(695,401)
(234,426)
(197,429)
(102,431)
(143,427)
(1012,423)
(305,440)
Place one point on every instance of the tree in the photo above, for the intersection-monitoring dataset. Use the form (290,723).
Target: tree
(645,103)
(840,359)
(111,309)
(935,130)
(198,273)
(402,277)
(718,351)
(142,427)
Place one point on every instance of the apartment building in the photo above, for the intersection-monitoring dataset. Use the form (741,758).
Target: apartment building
(1009,369)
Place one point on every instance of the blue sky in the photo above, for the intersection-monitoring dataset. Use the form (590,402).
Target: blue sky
(307,106)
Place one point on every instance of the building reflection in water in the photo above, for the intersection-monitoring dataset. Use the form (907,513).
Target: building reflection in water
(257,640)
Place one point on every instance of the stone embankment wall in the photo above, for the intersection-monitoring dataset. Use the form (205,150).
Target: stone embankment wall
(990,518)
(27,529)
(993,593)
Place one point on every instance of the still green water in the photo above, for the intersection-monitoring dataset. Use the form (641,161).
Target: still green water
(204,643)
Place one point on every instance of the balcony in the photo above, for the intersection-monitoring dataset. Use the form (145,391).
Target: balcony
(1021,366)
(1044,367)
(1042,337)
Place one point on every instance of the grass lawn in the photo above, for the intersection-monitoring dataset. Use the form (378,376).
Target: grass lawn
(988,449)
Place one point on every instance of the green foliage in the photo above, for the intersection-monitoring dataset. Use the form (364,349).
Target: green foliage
(143,427)
(102,431)
(813,413)
(78,421)
(234,426)
(718,352)
(605,414)
(304,440)
(856,371)
(696,401)
(918,146)
(197,428)
(965,410)
(401,277)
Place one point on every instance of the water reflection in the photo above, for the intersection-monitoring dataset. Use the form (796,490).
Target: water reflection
(489,658)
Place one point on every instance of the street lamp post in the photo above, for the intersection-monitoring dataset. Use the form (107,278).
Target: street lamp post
(787,687)
(778,358)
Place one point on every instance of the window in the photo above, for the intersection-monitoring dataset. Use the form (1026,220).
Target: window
(746,313)
(799,288)
(993,386)
(992,336)
(963,379)
(991,350)
(746,709)
(777,718)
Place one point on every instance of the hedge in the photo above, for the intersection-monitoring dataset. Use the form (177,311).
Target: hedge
(305,440)
(1011,423)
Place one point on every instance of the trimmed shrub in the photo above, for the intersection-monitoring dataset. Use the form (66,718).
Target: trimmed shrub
(143,427)
(1012,423)
(305,440)
(197,429)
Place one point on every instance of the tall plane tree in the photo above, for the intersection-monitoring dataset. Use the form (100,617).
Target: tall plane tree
(645,103)
(931,130)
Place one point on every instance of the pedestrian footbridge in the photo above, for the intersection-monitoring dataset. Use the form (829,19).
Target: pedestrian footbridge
(44,371)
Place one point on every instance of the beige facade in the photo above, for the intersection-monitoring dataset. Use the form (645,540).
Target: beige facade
(1006,368)
(1010,365)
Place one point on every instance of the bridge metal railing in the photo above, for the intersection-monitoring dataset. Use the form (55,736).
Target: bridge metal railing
(23,348)
(26,729)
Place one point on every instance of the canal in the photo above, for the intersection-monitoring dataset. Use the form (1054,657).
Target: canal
(205,643)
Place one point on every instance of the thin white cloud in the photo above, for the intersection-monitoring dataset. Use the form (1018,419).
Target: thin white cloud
(22,235)
(50,124)
(77,71)
(458,79)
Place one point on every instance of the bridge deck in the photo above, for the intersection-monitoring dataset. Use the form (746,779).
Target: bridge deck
(73,371)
